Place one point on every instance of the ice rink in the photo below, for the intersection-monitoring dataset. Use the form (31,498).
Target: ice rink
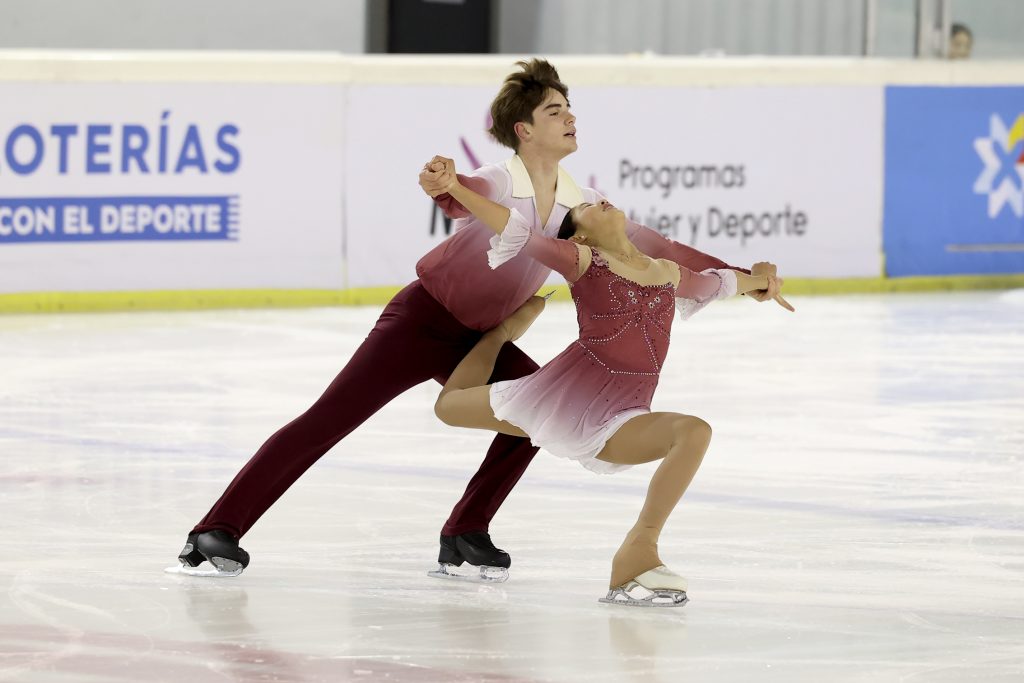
(859,516)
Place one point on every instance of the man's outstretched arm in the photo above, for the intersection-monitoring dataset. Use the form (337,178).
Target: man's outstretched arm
(653,243)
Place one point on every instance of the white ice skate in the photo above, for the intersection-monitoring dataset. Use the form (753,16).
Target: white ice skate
(658,587)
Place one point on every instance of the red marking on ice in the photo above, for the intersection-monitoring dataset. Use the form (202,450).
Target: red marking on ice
(138,657)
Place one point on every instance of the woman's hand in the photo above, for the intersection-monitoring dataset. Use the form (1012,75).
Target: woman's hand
(438,176)
(448,175)
(772,292)
(763,268)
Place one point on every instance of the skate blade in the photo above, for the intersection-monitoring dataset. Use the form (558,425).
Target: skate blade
(472,574)
(635,595)
(230,569)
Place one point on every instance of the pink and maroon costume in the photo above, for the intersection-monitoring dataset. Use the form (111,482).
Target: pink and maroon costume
(576,402)
(422,334)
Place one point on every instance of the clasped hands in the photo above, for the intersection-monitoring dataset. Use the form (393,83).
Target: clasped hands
(774,285)
(438,176)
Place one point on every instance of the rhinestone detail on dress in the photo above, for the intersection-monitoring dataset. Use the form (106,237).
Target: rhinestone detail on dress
(646,310)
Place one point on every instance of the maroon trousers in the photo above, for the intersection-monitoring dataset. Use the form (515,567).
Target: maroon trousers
(415,339)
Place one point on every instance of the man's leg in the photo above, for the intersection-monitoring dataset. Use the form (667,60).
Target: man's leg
(505,463)
(404,348)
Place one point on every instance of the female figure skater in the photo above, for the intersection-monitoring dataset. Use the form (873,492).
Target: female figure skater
(591,403)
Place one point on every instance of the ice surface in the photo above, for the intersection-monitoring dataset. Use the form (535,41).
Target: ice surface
(859,516)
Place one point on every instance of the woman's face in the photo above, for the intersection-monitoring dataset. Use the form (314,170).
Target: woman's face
(597,221)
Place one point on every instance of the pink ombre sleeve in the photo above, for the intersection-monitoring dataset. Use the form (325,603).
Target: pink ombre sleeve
(561,256)
(490,181)
(654,244)
(697,290)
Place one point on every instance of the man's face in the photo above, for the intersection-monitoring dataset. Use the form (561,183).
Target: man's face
(960,45)
(554,127)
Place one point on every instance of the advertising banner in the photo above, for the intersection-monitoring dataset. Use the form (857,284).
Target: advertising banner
(954,180)
(786,174)
(393,132)
(107,187)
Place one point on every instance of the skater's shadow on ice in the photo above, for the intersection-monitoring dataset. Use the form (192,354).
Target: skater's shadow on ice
(642,636)
(219,611)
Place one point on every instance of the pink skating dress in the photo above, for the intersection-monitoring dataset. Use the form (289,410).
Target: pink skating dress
(574,403)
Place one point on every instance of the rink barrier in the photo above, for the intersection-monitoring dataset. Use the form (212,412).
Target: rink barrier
(171,300)
(182,67)
(98,302)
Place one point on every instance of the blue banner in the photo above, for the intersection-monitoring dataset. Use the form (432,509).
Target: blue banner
(954,180)
(90,219)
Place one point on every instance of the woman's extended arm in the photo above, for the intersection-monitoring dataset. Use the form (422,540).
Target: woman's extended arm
(697,290)
(514,233)
(493,215)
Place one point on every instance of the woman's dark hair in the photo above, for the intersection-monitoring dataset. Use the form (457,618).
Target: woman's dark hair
(521,93)
(568,227)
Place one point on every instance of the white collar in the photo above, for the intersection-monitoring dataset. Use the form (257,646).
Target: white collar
(567,192)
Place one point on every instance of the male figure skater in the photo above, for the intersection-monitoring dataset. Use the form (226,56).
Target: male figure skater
(428,327)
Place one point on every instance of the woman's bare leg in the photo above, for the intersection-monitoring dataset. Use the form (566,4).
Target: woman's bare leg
(680,441)
(464,400)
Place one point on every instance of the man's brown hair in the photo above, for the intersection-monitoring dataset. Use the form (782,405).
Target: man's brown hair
(521,93)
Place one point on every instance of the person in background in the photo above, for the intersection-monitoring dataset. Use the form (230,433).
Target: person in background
(961,40)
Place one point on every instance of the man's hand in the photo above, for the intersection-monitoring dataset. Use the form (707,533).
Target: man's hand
(437,176)
(772,293)
(763,268)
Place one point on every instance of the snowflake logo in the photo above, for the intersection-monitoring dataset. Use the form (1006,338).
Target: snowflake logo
(1002,179)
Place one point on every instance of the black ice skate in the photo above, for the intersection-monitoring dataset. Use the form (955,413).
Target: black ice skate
(487,563)
(217,547)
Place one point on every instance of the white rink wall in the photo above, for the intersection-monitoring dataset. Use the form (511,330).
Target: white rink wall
(296,172)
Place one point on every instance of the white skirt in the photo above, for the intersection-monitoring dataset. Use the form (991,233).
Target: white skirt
(579,438)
